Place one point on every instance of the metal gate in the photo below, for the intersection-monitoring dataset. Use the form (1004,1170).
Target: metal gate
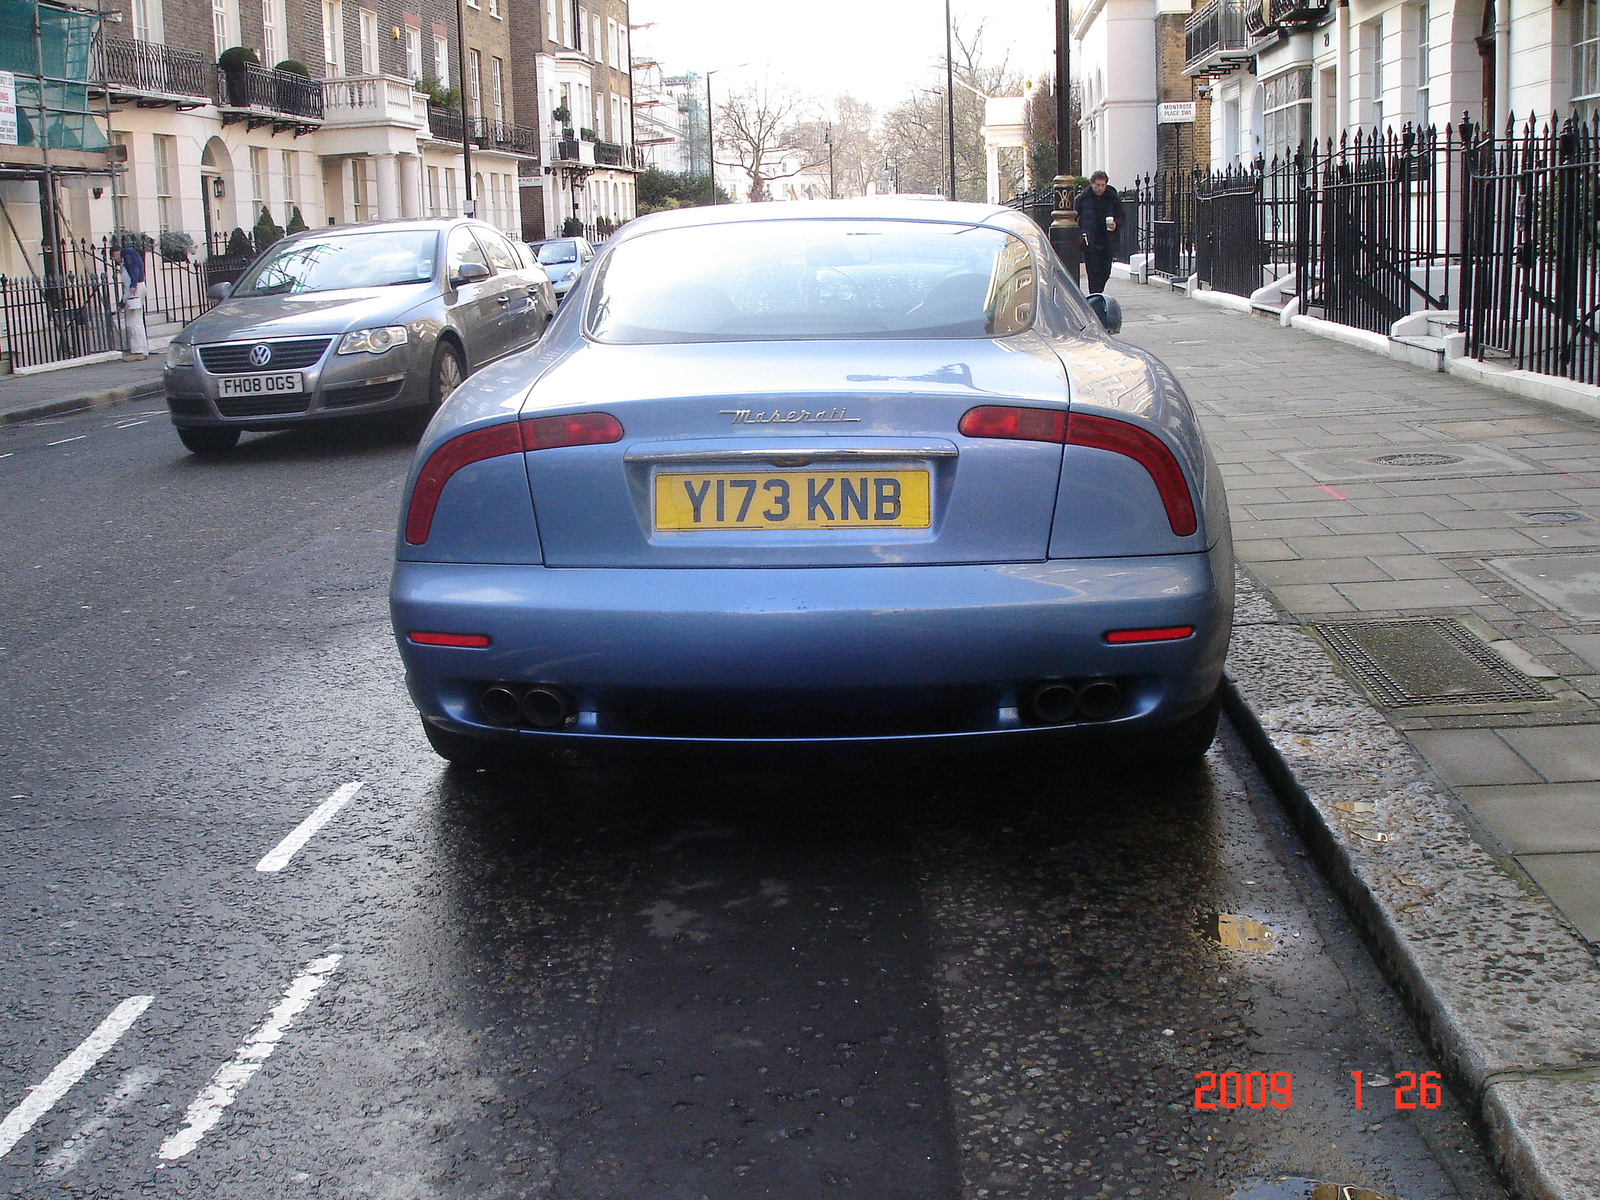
(1228,249)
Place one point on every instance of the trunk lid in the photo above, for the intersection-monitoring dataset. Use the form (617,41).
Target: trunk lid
(859,437)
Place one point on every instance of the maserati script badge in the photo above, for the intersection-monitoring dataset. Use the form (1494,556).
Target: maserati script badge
(743,416)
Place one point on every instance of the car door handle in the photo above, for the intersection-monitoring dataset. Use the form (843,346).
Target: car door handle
(503,299)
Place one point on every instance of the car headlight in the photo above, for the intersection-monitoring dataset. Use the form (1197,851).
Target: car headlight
(373,341)
(180,354)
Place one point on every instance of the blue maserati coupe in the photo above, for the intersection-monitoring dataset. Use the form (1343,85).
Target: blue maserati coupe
(843,472)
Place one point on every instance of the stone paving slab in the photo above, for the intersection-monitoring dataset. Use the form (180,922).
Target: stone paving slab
(1466,837)
(72,389)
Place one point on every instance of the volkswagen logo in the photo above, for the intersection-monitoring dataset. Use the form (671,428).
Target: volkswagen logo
(260,354)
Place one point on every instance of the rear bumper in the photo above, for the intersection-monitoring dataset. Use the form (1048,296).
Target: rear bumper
(894,653)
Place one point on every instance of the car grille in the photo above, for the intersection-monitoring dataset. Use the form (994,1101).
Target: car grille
(362,393)
(230,358)
(263,406)
(188,406)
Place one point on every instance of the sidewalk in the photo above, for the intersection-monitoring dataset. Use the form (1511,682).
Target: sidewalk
(72,389)
(1437,544)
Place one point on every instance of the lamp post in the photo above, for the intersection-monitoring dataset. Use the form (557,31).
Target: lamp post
(468,207)
(1064,235)
(949,96)
(711,141)
(827,137)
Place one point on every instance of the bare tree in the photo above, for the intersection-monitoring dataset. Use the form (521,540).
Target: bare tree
(757,132)
(846,130)
(912,144)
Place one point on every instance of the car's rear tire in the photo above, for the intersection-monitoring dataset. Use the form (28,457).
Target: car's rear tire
(471,753)
(1184,745)
(209,442)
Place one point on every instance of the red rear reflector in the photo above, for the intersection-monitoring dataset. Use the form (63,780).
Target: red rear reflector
(1169,633)
(468,641)
(578,429)
(534,433)
(1020,424)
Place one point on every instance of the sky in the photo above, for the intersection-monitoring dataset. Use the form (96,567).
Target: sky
(879,51)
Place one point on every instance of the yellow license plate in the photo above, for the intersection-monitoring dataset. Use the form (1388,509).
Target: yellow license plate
(843,499)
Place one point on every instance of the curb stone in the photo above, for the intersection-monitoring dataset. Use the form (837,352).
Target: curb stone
(1505,992)
(71,404)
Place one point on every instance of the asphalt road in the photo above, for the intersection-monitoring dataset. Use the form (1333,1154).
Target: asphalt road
(597,982)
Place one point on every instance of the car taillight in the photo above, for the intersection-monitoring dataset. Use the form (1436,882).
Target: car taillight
(1166,633)
(578,429)
(1097,433)
(463,641)
(531,433)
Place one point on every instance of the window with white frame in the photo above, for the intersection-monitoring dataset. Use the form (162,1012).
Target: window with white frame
(145,17)
(441,60)
(550,29)
(433,192)
(1286,113)
(475,82)
(1424,54)
(413,52)
(497,88)
(333,36)
(290,162)
(274,32)
(1586,56)
(369,42)
(122,214)
(166,168)
(258,181)
(360,189)
(494,8)
(221,26)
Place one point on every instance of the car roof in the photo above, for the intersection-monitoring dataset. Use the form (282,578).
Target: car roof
(434,223)
(867,208)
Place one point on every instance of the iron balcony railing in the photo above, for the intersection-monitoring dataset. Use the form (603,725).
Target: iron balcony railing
(261,88)
(608,154)
(445,124)
(1215,38)
(149,69)
(1292,14)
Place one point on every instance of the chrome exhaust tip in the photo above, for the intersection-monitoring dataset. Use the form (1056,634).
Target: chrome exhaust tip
(546,707)
(1099,700)
(1052,701)
(500,705)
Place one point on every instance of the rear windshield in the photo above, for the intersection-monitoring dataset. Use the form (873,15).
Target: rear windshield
(329,262)
(814,279)
(558,252)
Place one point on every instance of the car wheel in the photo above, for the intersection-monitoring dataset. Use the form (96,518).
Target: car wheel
(209,441)
(448,372)
(470,753)
(1184,745)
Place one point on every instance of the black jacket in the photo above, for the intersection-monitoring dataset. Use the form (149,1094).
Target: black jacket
(1092,213)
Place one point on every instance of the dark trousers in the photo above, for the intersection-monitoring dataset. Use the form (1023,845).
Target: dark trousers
(1098,265)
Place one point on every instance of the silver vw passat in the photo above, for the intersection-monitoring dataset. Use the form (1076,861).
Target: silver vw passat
(351,320)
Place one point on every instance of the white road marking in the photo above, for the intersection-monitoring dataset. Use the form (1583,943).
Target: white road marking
(131,424)
(64,441)
(70,1153)
(42,1097)
(7,454)
(278,858)
(224,1087)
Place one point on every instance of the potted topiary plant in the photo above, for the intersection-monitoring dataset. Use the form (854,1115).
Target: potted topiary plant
(297,223)
(572,227)
(235,62)
(292,85)
(240,245)
(174,246)
(266,231)
(587,135)
(561,115)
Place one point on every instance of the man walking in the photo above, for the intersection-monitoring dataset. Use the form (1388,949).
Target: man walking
(1100,218)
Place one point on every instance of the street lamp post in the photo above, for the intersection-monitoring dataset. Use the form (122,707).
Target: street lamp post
(711,142)
(1064,235)
(468,208)
(949,96)
(828,138)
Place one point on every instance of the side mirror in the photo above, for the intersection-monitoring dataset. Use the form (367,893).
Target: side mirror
(219,291)
(1108,310)
(471,272)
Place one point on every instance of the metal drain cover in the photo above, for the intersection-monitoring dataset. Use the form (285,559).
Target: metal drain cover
(1431,660)
(1552,517)
(1414,459)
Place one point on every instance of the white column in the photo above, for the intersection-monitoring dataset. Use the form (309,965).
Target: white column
(992,186)
(410,185)
(388,187)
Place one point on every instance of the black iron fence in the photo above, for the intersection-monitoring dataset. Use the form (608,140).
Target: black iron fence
(1530,286)
(71,307)
(153,69)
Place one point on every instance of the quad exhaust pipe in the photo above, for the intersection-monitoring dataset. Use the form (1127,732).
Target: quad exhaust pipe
(1062,701)
(513,705)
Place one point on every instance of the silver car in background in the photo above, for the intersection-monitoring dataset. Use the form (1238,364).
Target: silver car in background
(350,320)
(563,259)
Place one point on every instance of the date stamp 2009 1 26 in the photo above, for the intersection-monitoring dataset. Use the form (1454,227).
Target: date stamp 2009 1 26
(1258,1089)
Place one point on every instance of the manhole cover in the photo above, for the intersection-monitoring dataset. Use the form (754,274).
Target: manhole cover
(1553,518)
(1416,459)
(1426,661)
